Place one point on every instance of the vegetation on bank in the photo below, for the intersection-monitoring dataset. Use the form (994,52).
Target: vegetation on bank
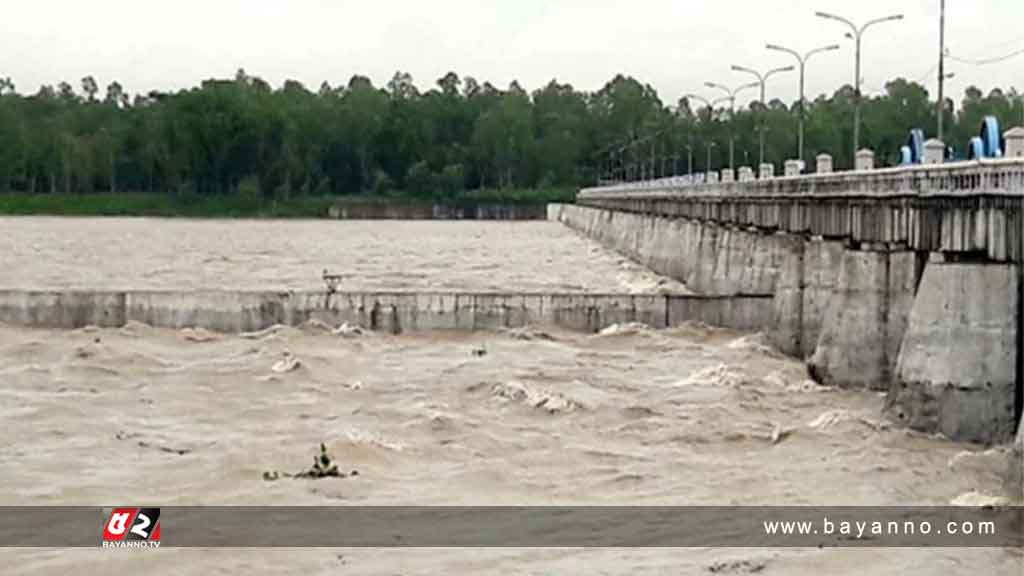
(194,206)
(241,146)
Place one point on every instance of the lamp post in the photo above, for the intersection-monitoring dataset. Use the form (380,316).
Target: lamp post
(762,79)
(710,104)
(942,65)
(858,33)
(802,59)
(731,97)
(707,167)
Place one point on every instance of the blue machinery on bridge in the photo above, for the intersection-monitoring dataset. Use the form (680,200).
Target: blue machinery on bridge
(988,144)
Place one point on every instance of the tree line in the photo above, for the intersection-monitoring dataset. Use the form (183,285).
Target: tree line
(241,136)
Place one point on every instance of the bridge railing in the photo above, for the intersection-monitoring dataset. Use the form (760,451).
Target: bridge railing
(979,177)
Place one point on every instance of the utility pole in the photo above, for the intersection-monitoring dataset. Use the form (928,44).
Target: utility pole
(762,79)
(857,34)
(942,65)
(802,59)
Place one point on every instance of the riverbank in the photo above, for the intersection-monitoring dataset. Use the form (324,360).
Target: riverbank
(193,206)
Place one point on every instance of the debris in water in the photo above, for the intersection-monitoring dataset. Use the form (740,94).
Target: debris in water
(738,567)
(168,449)
(122,435)
(480,351)
(323,467)
(288,364)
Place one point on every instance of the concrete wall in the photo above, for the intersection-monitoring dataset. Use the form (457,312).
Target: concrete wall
(356,210)
(941,339)
(708,258)
(392,312)
(958,364)
(713,259)
(865,319)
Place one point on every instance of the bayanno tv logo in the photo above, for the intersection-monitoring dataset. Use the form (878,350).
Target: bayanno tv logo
(131,528)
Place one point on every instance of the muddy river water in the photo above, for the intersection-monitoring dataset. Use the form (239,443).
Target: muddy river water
(686,416)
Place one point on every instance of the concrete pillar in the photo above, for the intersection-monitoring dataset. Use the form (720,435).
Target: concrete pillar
(865,160)
(957,366)
(711,177)
(865,319)
(934,151)
(1015,142)
(824,164)
(767,171)
(1020,438)
(746,174)
(728,175)
(793,167)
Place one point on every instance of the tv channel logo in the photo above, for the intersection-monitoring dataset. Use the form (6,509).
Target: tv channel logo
(131,528)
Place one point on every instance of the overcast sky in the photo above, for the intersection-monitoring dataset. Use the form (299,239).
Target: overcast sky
(675,45)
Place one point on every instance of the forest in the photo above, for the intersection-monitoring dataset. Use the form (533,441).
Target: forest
(242,137)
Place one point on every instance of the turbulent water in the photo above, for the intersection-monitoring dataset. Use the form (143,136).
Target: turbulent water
(633,416)
(145,253)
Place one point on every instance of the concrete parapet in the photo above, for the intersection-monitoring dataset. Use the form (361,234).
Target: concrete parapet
(957,365)
(711,178)
(746,174)
(728,176)
(63,309)
(824,164)
(1015,142)
(934,152)
(865,160)
(793,167)
(766,171)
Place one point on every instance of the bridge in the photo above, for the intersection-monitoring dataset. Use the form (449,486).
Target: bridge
(906,280)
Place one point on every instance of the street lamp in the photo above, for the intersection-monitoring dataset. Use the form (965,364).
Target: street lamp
(762,79)
(709,104)
(732,115)
(707,167)
(802,59)
(858,33)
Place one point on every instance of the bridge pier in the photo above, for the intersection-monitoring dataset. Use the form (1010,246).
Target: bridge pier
(958,362)
(865,319)
(845,259)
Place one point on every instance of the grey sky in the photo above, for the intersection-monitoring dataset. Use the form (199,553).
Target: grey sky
(676,45)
